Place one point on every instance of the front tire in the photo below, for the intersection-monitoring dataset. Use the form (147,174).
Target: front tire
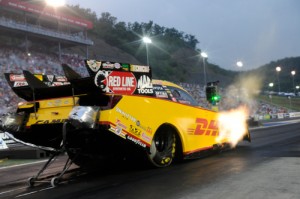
(163,147)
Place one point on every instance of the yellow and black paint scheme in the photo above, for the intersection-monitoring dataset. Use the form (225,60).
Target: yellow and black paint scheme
(121,108)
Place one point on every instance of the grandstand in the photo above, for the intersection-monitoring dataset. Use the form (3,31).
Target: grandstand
(36,37)
(30,23)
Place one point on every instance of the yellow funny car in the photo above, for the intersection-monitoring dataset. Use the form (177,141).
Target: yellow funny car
(118,109)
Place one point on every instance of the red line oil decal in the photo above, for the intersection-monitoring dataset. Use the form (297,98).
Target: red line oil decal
(117,82)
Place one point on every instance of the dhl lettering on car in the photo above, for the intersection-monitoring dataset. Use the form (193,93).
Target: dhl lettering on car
(204,127)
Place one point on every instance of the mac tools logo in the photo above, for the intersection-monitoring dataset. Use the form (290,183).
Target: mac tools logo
(144,85)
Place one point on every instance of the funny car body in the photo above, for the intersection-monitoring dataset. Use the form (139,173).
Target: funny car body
(117,108)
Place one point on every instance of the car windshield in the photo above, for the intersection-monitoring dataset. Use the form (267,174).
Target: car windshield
(182,96)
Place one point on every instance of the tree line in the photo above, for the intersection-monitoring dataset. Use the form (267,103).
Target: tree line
(163,53)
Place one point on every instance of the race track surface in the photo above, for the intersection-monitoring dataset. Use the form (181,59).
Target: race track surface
(266,168)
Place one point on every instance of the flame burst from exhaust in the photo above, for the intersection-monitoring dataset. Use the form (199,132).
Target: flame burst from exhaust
(233,125)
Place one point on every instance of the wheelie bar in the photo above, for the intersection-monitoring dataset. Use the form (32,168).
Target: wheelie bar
(54,180)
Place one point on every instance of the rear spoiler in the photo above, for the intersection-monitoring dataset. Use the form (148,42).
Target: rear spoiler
(121,78)
(31,87)
(105,77)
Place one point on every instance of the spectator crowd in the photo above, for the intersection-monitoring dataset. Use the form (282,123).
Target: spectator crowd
(14,60)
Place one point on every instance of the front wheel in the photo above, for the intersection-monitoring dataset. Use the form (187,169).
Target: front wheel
(163,147)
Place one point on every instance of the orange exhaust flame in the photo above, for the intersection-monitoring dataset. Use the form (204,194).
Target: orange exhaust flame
(233,125)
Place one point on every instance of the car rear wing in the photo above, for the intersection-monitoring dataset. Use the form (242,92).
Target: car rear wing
(105,77)
(121,78)
(28,86)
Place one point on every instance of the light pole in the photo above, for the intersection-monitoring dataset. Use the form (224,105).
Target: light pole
(204,55)
(293,72)
(271,89)
(147,41)
(278,69)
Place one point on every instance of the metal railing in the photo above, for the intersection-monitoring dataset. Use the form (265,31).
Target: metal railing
(8,23)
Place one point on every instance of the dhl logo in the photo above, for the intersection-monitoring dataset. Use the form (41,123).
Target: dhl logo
(204,127)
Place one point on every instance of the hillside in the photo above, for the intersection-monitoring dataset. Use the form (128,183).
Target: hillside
(182,65)
(283,79)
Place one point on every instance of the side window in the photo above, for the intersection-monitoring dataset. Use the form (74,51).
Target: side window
(182,96)
(174,94)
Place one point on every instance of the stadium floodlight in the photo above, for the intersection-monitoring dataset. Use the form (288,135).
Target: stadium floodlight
(239,63)
(55,3)
(204,54)
(271,84)
(147,40)
(278,68)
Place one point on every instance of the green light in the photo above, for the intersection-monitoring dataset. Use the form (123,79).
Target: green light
(212,94)
(215,98)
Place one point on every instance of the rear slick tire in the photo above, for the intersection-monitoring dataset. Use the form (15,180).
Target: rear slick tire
(163,147)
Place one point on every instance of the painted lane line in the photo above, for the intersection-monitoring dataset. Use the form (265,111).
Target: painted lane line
(25,164)
(33,192)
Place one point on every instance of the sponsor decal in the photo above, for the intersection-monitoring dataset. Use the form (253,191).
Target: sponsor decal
(161,94)
(147,129)
(144,85)
(116,82)
(120,78)
(20,83)
(59,102)
(118,131)
(125,67)
(158,88)
(14,77)
(138,68)
(205,127)
(108,65)
(135,130)
(136,141)
(146,137)
(57,84)
(126,115)
(50,78)
(54,121)
(120,124)
(117,66)
(94,65)
(61,78)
